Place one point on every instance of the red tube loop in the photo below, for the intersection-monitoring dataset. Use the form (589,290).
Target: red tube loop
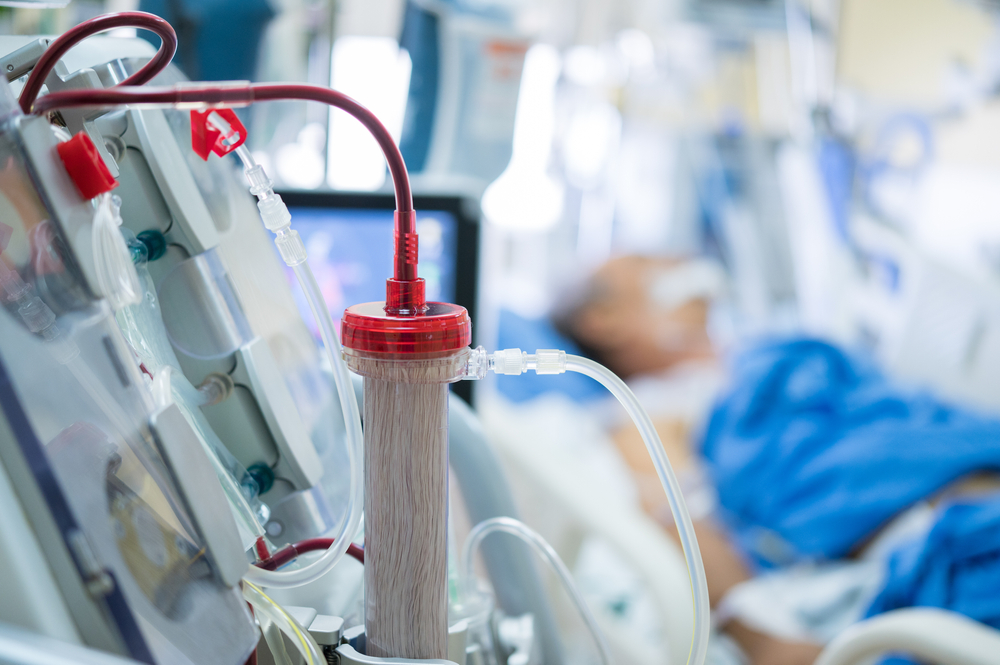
(230,95)
(397,167)
(290,552)
(59,46)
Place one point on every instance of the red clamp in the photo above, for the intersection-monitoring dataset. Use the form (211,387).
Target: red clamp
(85,166)
(220,134)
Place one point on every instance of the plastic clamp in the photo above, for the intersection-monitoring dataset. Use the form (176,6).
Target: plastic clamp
(221,134)
(85,166)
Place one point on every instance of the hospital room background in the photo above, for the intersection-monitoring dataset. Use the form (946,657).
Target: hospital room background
(778,220)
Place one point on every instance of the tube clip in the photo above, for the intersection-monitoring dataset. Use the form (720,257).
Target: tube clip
(216,130)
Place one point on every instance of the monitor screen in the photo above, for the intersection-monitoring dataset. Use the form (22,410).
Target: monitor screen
(350,252)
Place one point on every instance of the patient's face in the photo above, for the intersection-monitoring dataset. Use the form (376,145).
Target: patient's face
(636,334)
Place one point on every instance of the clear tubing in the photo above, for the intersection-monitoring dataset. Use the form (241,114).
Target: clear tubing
(275,641)
(351,521)
(112,261)
(276,218)
(164,387)
(685,528)
(549,555)
(273,612)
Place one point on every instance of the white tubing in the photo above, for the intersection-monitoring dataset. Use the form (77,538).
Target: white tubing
(164,387)
(113,266)
(928,634)
(275,641)
(276,218)
(351,522)
(549,555)
(685,528)
(297,635)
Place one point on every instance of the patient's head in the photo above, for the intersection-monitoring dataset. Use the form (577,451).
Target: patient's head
(641,314)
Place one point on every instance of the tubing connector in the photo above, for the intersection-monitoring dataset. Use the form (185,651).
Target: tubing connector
(259,182)
(273,211)
(291,247)
(198,95)
(478,364)
(512,362)
(406,246)
(216,388)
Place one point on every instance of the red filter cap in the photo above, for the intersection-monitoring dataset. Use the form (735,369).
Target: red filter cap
(85,167)
(441,327)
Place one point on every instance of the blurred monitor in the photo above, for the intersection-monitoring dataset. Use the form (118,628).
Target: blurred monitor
(348,237)
(738,15)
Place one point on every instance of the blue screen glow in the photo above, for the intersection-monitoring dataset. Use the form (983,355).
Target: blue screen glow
(350,252)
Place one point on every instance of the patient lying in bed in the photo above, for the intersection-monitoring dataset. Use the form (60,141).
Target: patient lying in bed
(821,492)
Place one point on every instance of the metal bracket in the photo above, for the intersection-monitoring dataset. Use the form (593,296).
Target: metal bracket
(354,638)
(348,656)
(18,63)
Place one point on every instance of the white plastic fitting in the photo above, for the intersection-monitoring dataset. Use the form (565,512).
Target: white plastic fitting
(259,182)
(478,365)
(292,249)
(512,362)
(273,211)
(549,361)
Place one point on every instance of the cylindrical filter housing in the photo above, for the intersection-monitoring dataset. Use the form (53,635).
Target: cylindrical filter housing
(407,362)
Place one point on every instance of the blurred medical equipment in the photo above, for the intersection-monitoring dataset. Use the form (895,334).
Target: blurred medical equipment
(734,16)
(467,59)
(222,40)
(143,450)
(115,528)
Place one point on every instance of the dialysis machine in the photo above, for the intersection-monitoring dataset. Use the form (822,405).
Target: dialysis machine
(180,466)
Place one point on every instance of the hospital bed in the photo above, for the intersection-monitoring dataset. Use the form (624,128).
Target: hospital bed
(936,636)
(558,463)
(562,469)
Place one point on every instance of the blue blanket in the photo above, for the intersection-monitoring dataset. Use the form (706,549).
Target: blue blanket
(956,566)
(812,450)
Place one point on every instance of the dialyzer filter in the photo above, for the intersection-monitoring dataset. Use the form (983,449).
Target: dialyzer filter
(408,351)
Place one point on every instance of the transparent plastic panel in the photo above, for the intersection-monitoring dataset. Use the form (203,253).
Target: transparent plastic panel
(203,316)
(37,277)
(143,327)
(86,404)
